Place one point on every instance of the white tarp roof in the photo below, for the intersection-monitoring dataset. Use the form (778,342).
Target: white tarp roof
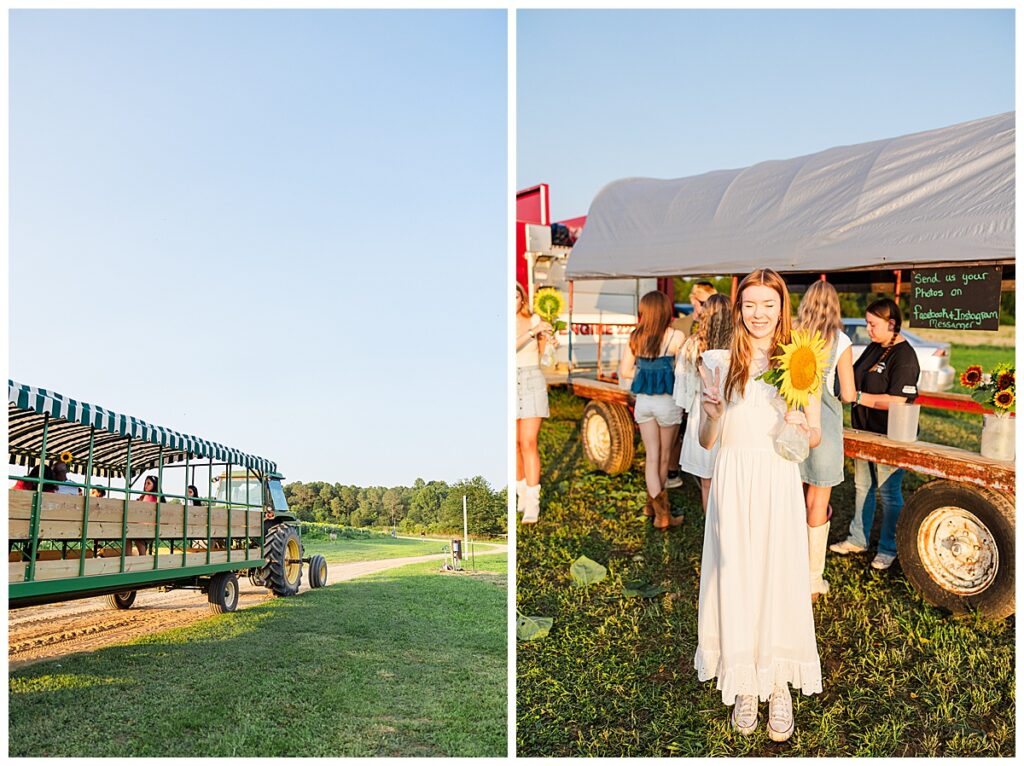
(942,196)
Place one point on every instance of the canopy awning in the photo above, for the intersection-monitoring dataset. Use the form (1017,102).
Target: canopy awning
(71,422)
(944,196)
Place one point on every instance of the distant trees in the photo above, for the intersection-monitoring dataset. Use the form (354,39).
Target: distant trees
(433,506)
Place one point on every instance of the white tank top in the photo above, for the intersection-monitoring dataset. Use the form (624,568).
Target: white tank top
(529,355)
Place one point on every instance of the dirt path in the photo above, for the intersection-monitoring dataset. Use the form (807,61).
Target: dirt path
(43,632)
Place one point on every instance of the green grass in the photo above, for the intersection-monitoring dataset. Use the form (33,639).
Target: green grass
(343,551)
(615,676)
(409,662)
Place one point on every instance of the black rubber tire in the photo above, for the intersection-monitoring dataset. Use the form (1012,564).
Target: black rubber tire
(122,600)
(995,511)
(279,578)
(612,419)
(222,592)
(317,571)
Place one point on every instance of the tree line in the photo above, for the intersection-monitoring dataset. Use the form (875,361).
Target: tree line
(426,506)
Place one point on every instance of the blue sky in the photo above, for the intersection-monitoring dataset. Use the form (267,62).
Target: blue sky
(282,231)
(604,95)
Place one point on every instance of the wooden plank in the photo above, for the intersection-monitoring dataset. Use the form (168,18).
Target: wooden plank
(61,518)
(18,529)
(932,460)
(68,568)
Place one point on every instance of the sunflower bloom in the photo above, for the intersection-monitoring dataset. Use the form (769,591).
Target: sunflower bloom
(971,377)
(548,304)
(1004,400)
(801,368)
(1006,380)
(66,457)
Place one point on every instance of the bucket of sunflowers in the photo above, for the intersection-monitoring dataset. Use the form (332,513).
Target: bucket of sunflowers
(797,375)
(997,391)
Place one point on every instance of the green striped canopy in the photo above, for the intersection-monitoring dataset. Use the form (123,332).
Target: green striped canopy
(72,422)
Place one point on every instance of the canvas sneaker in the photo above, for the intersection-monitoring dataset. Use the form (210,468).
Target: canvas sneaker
(882,561)
(744,713)
(780,714)
(845,546)
(674,480)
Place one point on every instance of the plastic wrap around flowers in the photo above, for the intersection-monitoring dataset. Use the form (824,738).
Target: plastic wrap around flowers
(549,304)
(797,376)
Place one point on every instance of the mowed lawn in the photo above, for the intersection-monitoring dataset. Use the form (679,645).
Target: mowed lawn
(345,550)
(409,662)
(615,675)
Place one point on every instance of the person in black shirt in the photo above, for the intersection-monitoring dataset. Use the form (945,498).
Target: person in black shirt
(885,373)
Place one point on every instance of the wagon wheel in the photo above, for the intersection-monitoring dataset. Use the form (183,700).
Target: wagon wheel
(608,436)
(283,552)
(956,546)
(317,571)
(122,600)
(222,592)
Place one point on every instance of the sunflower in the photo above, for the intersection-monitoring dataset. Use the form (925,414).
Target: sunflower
(1006,380)
(66,457)
(801,367)
(1004,400)
(548,303)
(971,377)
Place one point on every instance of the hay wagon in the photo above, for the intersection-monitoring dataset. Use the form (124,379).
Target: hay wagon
(863,217)
(107,536)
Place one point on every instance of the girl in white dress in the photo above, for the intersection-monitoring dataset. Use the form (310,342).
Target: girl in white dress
(713,333)
(755,627)
(532,333)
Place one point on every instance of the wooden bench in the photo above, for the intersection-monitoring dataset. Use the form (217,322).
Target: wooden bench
(60,518)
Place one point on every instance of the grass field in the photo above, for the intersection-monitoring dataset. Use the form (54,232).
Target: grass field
(615,675)
(345,550)
(409,662)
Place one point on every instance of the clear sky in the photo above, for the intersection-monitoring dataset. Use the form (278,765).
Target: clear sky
(604,95)
(282,231)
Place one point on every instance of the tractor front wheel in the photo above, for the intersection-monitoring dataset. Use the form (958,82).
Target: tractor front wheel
(283,552)
(317,571)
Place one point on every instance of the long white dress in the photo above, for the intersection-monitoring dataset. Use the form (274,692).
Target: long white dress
(755,627)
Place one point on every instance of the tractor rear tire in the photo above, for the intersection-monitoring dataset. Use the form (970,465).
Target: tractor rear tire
(222,592)
(283,553)
(608,436)
(122,600)
(317,571)
(956,546)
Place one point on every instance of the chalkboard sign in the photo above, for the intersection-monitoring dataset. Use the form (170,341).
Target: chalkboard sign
(956,299)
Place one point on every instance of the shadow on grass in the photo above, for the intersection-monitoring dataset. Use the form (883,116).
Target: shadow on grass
(394,665)
(615,676)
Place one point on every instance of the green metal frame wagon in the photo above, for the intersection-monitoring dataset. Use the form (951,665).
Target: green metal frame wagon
(63,545)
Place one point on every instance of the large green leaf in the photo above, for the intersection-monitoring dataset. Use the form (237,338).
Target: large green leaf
(533,628)
(586,572)
(635,588)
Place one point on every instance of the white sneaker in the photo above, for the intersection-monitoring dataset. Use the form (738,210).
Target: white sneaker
(673,481)
(882,561)
(744,713)
(845,546)
(780,714)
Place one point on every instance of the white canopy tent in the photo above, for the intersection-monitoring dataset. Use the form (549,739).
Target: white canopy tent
(944,196)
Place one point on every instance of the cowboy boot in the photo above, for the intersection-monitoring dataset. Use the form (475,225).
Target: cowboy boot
(817,542)
(649,506)
(663,518)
